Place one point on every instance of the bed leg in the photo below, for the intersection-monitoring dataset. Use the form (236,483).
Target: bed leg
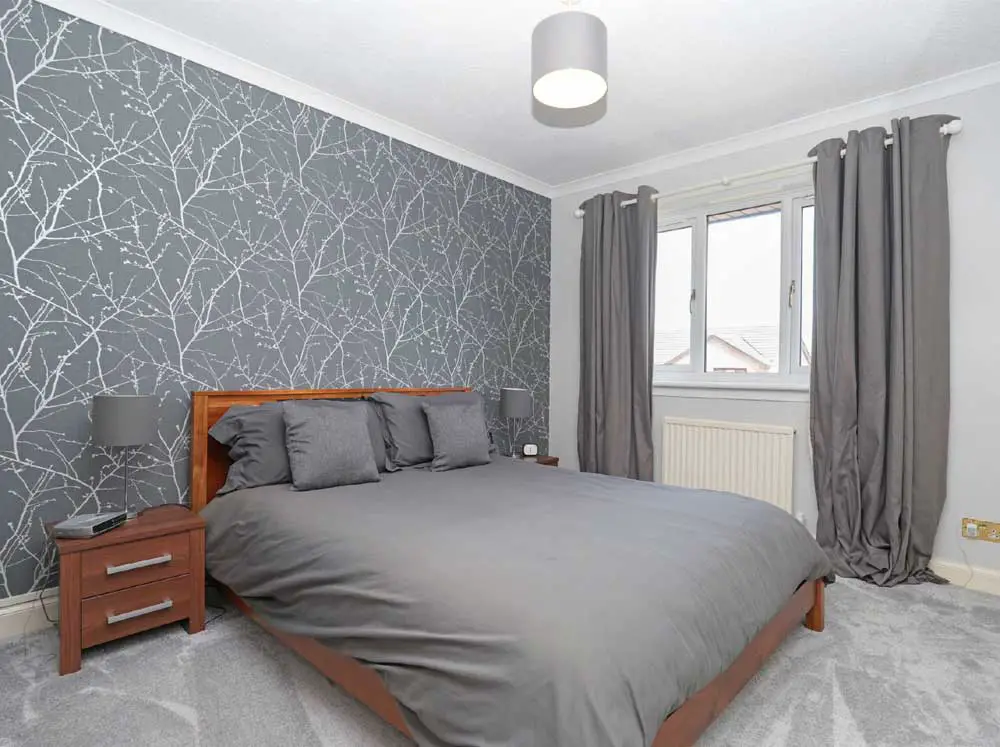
(814,617)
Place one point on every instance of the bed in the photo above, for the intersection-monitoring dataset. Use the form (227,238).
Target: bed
(512,603)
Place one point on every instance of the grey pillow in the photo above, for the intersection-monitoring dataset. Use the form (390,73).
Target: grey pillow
(328,446)
(458,433)
(464,397)
(407,440)
(255,435)
(374,421)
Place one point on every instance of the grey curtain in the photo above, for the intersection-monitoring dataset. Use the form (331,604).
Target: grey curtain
(618,263)
(880,368)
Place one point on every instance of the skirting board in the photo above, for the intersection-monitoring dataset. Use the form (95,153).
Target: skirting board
(969,576)
(23,614)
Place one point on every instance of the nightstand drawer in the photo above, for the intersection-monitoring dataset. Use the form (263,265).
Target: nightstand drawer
(116,567)
(129,611)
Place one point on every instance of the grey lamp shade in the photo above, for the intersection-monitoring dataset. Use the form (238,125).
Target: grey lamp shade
(124,419)
(515,403)
(569,60)
(582,116)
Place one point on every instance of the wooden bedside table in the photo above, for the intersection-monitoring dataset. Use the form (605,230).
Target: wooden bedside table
(146,573)
(545,461)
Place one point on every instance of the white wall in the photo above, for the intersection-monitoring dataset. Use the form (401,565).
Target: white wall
(974,180)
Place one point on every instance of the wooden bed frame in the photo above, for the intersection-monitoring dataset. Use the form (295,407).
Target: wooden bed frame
(210,462)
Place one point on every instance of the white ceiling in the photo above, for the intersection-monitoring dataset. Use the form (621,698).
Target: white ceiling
(682,73)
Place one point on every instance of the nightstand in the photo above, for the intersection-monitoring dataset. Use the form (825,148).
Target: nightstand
(545,461)
(146,573)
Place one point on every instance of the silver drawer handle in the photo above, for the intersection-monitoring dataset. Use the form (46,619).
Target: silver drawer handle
(164,605)
(113,569)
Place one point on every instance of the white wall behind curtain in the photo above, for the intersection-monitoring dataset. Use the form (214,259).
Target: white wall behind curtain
(974,186)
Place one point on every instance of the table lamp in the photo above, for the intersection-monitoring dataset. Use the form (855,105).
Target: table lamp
(124,420)
(515,404)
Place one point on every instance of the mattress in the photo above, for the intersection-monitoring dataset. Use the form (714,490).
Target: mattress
(514,604)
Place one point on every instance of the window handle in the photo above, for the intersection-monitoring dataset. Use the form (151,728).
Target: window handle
(791,295)
(691,301)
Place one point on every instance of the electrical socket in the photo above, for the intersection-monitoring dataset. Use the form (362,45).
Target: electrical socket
(977,529)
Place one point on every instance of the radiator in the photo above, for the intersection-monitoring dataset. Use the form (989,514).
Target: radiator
(751,460)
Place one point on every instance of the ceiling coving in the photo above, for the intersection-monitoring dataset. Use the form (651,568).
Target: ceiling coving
(569,69)
(685,77)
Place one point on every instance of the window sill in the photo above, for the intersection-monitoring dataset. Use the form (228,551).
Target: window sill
(783,390)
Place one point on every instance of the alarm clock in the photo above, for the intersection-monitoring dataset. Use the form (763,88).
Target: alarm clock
(530,450)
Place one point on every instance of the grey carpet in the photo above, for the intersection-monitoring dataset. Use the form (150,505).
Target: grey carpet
(906,666)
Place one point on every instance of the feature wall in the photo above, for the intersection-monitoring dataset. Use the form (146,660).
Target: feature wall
(166,228)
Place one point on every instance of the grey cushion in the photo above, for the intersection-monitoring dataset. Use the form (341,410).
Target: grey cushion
(255,435)
(458,434)
(455,397)
(374,420)
(407,440)
(328,446)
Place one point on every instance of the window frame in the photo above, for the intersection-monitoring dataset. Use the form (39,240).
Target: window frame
(795,331)
(678,225)
(791,375)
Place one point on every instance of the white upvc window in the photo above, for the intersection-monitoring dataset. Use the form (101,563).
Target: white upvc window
(734,291)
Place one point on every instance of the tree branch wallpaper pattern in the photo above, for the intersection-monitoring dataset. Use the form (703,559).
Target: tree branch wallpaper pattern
(166,228)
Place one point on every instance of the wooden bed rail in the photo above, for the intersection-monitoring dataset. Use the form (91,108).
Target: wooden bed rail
(681,728)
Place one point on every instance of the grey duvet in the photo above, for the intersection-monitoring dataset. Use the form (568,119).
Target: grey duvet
(513,604)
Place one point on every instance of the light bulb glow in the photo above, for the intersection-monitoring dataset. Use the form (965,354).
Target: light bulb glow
(570,88)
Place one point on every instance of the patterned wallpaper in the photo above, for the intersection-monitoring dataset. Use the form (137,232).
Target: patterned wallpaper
(165,228)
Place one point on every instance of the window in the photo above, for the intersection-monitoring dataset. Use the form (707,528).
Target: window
(734,294)
(673,298)
(744,284)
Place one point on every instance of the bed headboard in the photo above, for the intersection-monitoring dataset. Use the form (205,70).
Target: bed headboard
(210,459)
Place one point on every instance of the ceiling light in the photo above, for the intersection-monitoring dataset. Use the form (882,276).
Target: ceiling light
(569,63)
